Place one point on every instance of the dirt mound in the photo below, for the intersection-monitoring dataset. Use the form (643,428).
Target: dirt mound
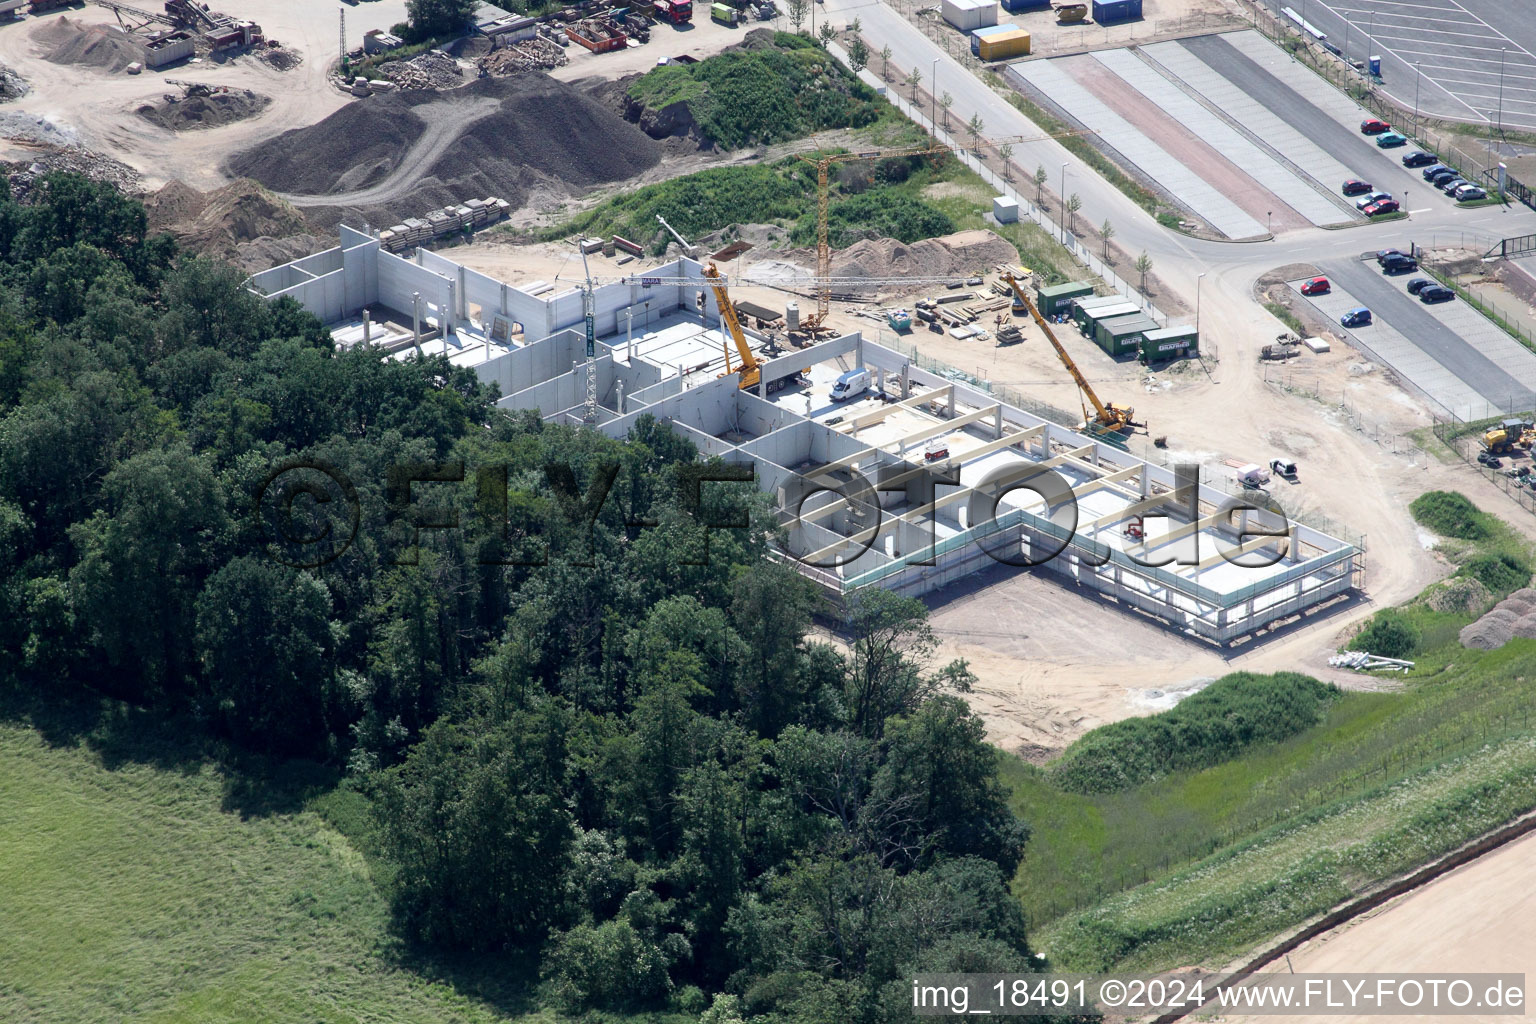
(1526,627)
(96,46)
(962,254)
(279,58)
(1509,618)
(191,113)
(415,150)
(1459,594)
(218,223)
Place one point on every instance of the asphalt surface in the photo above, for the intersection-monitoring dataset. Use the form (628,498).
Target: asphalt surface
(1455,44)
(1380,167)
(1497,381)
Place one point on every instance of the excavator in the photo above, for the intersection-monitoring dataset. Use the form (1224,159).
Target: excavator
(751,369)
(1108,417)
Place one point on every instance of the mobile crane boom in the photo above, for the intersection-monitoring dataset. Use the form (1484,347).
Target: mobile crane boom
(1114,417)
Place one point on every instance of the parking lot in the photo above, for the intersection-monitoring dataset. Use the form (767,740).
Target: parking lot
(1224,124)
(1464,50)
(1448,350)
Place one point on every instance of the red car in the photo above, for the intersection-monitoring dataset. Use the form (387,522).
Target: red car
(1356,187)
(1316,286)
(1371,126)
(1385,206)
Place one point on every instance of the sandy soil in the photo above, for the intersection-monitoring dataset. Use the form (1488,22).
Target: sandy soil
(703,38)
(1479,918)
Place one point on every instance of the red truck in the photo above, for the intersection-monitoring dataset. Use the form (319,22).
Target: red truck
(675,11)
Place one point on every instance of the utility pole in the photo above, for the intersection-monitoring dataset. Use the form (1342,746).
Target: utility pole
(1198,278)
(1063,211)
(1500,119)
(343,11)
(933,92)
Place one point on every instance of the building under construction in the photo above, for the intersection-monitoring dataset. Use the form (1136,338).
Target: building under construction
(911,485)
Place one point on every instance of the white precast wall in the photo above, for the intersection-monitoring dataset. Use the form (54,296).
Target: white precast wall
(968,15)
(332,284)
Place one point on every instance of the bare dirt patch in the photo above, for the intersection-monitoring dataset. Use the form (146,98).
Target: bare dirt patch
(241,222)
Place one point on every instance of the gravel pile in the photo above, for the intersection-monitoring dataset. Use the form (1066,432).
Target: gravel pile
(431,70)
(191,113)
(536,54)
(279,58)
(81,161)
(539,133)
(12,85)
(37,128)
(96,46)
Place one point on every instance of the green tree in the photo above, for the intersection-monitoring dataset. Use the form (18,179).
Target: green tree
(264,639)
(826,33)
(1040,179)
(885,62)
(891,640)
(1144,267)
(798,9)
(858,54)
(1074,203)
(1006,152)
(914,80)
(434,18)
(1106,232)
(945,102)
(974,128)
(476,824)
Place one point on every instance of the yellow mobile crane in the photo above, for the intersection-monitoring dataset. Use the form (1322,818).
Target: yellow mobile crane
(751,369)
(1109,417)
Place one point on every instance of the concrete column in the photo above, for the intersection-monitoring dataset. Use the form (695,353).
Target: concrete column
(367,334)
(999,420)
(858,351)
(505,310)
(880,380)
(951,402)
(906,381)
(416,320)
(620,386)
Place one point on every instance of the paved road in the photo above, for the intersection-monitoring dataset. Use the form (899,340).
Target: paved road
(1493,373)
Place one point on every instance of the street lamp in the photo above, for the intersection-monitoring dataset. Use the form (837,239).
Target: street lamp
(1500,116)
(933,92)
(1416,83)
(1063,195)
(1198,278)
(1269,221)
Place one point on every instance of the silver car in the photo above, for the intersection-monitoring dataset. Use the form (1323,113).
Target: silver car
(1371,197)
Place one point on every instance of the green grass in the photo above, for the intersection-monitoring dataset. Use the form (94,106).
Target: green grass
(1199,864)
(140,892)
(1285,316)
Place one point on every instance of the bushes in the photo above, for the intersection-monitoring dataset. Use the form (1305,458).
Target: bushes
(1450,514)
(1389,634)
(1501,572)
(1212,726)
(876,214)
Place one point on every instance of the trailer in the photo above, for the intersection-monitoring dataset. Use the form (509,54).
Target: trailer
(600,35)
(11,9)
(724,14)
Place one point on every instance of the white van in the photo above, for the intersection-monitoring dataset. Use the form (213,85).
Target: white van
(854,382)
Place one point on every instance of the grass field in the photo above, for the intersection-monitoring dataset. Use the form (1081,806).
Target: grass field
(140,892)
(1199,865)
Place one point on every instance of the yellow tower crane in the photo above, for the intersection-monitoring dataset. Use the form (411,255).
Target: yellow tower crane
(1111,416)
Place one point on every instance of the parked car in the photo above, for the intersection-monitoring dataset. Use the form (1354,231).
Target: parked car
(1441,177)
(1418,284)
(1371,197)
(1419,158)
(1316,286)
(1399,263)
(1385,206)
(1435,293)
(1382,255)
(1371,126)
(1434,169)
(1450,185)
(1355,187)
(1468,193)
(1391,140)
(1357,317)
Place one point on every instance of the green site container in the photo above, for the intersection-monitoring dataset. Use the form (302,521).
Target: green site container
(1122,335)
(1083,308)
(1167,343)
(1052,300)
(1109,311)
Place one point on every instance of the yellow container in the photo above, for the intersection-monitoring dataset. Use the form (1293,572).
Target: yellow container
(1002,45)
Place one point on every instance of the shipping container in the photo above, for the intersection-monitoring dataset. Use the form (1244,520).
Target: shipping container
(987,31)
(724,14)
(1005,210)
(1106,11)
(1015,6)
(168,49)
(1057,297)
(969,15)
(1004,45)
(1085,311)
(1123,335)
(1169,343)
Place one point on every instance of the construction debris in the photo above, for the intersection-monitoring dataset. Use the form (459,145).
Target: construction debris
(536,54)
(431,70)
(1360,661)
(79,160)
(12,85)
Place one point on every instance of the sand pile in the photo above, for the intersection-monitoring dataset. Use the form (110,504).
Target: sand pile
(221,222)
(1514,616)
(97,46)
(191,113)
(495,137)
(962,254)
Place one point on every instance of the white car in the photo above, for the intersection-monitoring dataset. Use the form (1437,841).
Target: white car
(1371,197)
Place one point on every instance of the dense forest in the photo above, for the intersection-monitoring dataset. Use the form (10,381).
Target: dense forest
(587,725)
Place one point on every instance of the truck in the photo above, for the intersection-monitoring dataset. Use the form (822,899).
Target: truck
(724,14)
(854,382)
(678,12)
(1252,475)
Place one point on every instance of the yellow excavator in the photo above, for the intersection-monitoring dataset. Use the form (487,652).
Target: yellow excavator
(1109,417)
(751,369)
